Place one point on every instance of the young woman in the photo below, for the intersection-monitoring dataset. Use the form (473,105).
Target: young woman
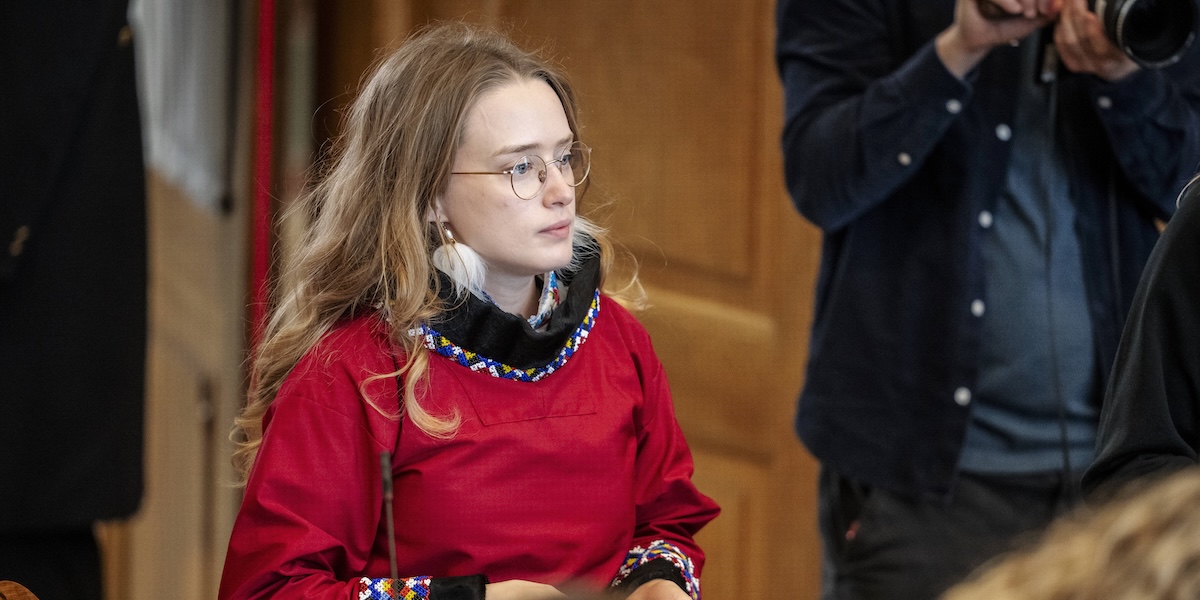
(447,321)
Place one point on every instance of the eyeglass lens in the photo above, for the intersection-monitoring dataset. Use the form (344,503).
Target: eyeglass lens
(529,172)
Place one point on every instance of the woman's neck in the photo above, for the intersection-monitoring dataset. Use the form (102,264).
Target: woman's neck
(516,296)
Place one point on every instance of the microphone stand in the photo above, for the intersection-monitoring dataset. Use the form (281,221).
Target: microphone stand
(385,467)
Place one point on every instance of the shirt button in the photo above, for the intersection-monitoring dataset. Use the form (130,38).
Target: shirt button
(953,106)
(1104,102)
(904,159)
(1004,132)
(985,219)
(977,308)
(962,396)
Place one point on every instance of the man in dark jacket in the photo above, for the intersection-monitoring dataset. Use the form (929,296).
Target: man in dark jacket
(988,189)
(72,289)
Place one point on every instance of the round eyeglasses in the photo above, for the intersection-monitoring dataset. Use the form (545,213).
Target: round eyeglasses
(528,174)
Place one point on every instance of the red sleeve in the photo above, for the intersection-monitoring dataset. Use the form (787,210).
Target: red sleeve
(670,510)
(313,502)
(308,518)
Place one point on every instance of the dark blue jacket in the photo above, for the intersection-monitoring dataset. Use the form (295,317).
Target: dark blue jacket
(900,164)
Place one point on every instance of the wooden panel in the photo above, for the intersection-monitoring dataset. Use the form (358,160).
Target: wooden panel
(710,350)
(170,529)
(175,546)
(666,119)
(736,566)
(349,40)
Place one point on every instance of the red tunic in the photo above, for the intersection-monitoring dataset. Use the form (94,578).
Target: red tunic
(552,481)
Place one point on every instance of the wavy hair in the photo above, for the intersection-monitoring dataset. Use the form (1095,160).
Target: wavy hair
(369,246)
(1144,545)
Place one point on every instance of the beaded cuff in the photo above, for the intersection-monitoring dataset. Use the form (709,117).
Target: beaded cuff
(661,550)
(411,588)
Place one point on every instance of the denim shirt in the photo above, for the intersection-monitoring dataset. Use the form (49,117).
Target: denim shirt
(900,163)
(1033,406)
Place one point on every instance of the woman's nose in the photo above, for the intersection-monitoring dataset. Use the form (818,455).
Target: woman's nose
(556,190)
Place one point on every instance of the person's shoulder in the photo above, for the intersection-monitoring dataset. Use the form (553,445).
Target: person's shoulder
(370,329)
(1189,201)
(1181,230)
(349,372)
(357,347)
(619,313)
(623,320)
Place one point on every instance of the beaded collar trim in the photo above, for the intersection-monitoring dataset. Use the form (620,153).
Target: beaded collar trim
(443,347)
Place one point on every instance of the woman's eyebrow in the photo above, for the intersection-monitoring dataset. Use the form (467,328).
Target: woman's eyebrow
(525,148)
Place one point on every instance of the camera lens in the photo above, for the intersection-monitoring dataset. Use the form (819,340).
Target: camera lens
(1154,33)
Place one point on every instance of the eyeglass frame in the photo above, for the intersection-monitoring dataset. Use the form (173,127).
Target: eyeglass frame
(512,183)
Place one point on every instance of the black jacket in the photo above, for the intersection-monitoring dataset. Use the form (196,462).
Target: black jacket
(72,266)
(1150,421)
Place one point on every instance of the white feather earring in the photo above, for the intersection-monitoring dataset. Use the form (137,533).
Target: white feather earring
(464,265)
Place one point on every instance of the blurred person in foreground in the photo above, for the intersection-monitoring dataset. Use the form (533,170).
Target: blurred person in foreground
(1150,422)
(1143,545)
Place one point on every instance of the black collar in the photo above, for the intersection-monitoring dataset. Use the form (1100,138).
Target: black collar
(482,327)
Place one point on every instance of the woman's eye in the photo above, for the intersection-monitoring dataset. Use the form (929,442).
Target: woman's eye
(522,167)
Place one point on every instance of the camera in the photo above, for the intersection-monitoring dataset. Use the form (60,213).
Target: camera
(1154,33)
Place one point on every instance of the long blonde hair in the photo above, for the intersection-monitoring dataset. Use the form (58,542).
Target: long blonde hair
(369,245)
(1143,546)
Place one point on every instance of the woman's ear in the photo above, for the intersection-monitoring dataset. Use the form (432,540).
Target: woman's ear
(435,214)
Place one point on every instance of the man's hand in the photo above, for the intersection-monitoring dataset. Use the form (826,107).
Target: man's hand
(973,35)
(658,589)
(1083,47)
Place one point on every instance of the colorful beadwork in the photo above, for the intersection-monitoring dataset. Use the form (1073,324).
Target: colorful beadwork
(472,360)
(639,556)
(412,588)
